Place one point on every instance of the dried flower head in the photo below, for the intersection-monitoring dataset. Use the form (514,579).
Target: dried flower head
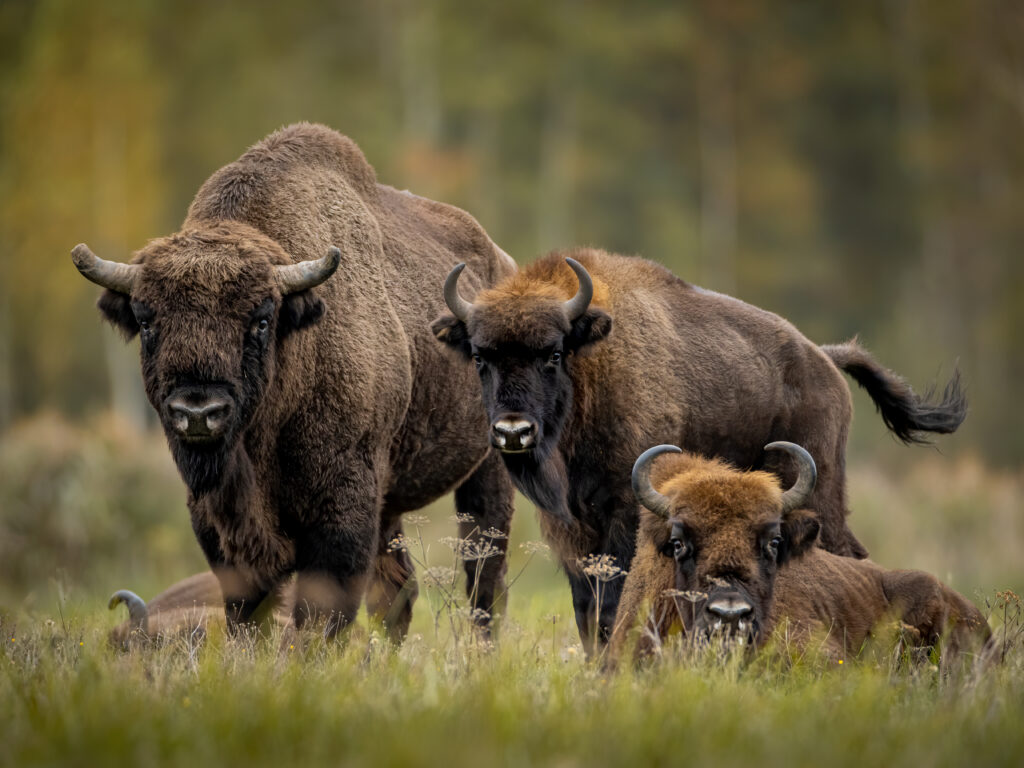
(535,548)
(439,576)
(600,567)
(470,549)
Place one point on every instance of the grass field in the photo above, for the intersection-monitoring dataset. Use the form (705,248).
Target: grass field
(67,699)
(444,698)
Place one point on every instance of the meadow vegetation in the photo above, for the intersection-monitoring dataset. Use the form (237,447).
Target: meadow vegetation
(97,507)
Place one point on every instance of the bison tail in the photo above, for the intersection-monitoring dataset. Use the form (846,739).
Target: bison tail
(906,413)
(138,614)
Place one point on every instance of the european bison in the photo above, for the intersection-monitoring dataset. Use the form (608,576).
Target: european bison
(571,402)
(185,608)
(306,414)
(729,554)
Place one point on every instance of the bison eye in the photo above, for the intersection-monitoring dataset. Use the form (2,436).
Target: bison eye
(772,547)
(145,326)
(679,549)
(260,326)
(478,360)
(556,358)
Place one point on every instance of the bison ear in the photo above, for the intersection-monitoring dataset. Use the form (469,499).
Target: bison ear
(116,309)
(593,325)
(799,533)
(299,310)
(449,330)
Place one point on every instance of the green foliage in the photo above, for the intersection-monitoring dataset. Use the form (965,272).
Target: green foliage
(95,505)
(854,167)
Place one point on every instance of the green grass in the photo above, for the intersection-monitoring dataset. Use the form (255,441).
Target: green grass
(87,510)
(66,699)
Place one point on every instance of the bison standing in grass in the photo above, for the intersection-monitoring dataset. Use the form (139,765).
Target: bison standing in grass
(572,399)
(307,412)
(729,554)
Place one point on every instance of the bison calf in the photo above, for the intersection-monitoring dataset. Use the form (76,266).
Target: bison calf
(728,553)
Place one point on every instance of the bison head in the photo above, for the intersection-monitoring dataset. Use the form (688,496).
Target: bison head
(523,335)
(728,532)
(211,307)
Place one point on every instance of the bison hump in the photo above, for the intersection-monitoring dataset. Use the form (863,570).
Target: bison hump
(243,185)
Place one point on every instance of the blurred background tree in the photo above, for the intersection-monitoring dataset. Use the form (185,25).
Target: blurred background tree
(854,166)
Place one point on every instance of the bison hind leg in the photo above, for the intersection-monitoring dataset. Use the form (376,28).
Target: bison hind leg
(941,616)
(393,588)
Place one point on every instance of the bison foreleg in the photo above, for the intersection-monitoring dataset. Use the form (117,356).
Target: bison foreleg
(334,561)
(484,505)
(241,596)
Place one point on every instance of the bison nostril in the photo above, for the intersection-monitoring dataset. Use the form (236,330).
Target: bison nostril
(203,419)
(729,608)
(513,434)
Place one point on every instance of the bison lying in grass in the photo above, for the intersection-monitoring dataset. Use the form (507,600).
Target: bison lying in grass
(185,608)
(586,361)
(728,553)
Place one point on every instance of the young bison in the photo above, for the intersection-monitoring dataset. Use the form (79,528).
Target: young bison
(743,552)
(184,608)
(586,361)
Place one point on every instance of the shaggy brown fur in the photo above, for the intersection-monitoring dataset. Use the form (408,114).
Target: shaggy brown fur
(718,545)
(186,608)
(344,412)
(683,365)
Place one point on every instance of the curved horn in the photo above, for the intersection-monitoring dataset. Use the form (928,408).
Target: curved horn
(138,614)
(808,474)
(108,274)
(578,304)
(645,493)
(458,305)
(307,274)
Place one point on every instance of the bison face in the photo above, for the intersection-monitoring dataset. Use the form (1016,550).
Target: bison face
(724,576)
(728,533)
(523,338)
(212,309)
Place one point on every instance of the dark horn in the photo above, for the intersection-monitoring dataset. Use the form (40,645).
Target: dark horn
(578,304)
(108,274)
(458,305)
(797,496)
(307,274)
(645,493)
(138,614)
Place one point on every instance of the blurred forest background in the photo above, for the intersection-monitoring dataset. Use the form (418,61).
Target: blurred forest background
(854,166)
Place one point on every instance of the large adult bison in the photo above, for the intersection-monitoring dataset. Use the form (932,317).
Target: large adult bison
(728,554)
(306,413)
(571,403)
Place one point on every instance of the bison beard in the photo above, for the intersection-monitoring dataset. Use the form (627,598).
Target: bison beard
(585,358)
(307,413)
